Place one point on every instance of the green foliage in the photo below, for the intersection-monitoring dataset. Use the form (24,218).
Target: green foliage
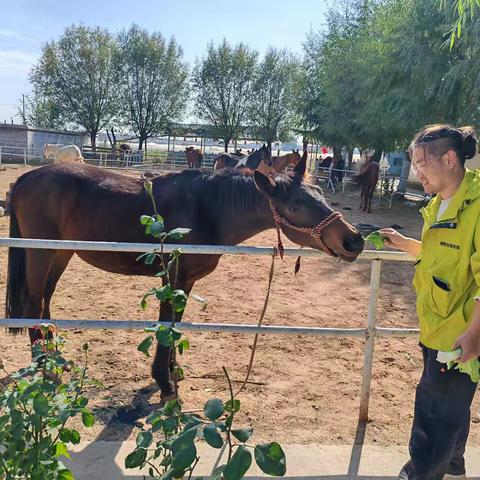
(168,445)
(34,410)
(153,83)
(271,112)
(78,74)
(222,83)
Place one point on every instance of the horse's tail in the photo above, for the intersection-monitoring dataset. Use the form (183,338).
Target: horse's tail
(15,274)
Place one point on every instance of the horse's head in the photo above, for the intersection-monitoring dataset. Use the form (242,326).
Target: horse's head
(302,213)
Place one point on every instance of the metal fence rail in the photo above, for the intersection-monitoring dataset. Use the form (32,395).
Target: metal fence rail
(369,333)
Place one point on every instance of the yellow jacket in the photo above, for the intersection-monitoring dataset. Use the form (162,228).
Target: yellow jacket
(447,270)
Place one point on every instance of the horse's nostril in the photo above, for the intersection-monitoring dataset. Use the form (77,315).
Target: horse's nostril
(354,243)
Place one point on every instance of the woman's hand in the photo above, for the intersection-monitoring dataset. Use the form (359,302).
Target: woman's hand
(469,342)
(394,239)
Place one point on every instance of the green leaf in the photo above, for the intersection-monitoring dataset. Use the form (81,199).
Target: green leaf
(212,437)
(164,337)
(164,293)
(136,458)
(178,233)
(70,436)
(40,404)
(65,475)
(61,450)
(183,345)
(179,300)
(232,407)
(213,408)
(156,228)
(144,439)
(150,258)
(87,418)
(146,220)
(183,450)
(376,239)
(271,459)
(144,346)
(242,435)
(238,464)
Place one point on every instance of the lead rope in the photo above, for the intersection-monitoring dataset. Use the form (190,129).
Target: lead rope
(260,320)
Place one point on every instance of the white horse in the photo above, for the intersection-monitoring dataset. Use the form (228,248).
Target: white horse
(62,153)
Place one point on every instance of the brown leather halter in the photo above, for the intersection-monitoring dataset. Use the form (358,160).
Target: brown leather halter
(315,232)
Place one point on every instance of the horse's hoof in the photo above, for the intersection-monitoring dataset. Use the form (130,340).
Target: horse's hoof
(167,397)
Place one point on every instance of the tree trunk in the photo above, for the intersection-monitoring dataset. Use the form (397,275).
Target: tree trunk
(93,139)
(337,153)
(142,141)
(226,142)
(350,158)
(269,146)
(377,155)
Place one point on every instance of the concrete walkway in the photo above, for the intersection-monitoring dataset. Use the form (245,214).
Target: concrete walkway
(104,461)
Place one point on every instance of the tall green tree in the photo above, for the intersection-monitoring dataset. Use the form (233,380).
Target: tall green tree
(41,111)
(78,74)
(271,113)
(153,82)
(222,82)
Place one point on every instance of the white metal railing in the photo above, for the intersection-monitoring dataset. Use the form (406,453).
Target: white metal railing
(369,333)
(23,153)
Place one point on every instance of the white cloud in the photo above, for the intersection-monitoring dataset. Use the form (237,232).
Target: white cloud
(12,34)
(16,63)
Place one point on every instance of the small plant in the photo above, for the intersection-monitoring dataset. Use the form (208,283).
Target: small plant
(173,453)
(35,408)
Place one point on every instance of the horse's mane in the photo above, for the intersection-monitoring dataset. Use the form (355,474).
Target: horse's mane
(221,188)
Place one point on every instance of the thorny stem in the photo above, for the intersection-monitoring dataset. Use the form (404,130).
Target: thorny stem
(229,427)
(193,467)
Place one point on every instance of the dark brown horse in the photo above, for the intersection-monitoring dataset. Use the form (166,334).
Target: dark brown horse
(194,157)
(251,161)
(367,179)
(81,202)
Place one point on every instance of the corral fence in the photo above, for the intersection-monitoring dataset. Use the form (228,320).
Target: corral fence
(369,333)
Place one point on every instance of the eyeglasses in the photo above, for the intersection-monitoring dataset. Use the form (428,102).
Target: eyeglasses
(418,166)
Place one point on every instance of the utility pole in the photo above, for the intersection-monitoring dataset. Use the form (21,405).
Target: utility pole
(23,110)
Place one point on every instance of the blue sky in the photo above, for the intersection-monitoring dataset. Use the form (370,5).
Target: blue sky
(25,25)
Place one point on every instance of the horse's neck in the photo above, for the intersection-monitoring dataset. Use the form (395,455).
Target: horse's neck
(237,223)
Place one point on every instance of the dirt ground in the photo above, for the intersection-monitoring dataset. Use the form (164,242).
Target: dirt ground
(306,388)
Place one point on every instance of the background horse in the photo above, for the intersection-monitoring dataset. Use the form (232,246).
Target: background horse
(81,202)
(251,161)
(194,157)
(63,153)
(367,178)
(279,163)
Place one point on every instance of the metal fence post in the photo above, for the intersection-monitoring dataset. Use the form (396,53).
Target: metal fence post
(0,155)
(25,156)
(370,339)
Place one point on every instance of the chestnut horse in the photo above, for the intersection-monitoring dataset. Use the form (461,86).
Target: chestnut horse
(367,178)
(81,202)
(194,157)
(279,163)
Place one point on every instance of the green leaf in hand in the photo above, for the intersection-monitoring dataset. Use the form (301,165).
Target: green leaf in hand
(376,239)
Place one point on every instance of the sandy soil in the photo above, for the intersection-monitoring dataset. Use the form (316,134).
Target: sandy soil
(306,388)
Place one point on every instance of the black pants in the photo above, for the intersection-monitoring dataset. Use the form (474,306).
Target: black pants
(441,421)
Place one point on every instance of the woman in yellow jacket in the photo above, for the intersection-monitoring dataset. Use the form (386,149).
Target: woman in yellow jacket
(447,284)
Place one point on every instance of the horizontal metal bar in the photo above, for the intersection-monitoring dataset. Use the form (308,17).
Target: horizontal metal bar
(396,332)
(206,327)
(190,249)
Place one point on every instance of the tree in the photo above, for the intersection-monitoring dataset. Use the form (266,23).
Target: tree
(223,87)
(41,111)
(461,10)
(78,74)
(153,81)
(272,102)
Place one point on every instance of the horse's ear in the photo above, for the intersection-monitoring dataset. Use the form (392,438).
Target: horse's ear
(301,166)
(264,183)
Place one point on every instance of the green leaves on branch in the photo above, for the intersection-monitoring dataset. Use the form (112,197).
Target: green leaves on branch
(35,408)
